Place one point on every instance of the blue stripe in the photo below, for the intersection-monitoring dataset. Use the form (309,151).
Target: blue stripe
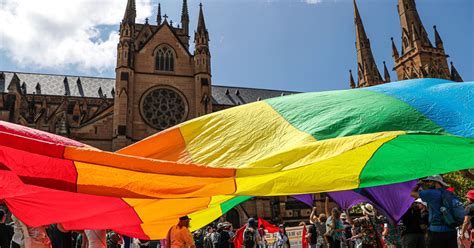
(446,103)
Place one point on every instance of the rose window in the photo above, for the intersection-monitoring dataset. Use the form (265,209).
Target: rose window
(163,108)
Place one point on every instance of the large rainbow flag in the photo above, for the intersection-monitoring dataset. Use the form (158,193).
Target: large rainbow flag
(297,144)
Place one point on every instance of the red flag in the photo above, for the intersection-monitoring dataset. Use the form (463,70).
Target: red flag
(239,236)
(304,241)
(269,227)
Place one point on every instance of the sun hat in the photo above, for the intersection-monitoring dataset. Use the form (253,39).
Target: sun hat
(419,200)
(436,178)
(368,209)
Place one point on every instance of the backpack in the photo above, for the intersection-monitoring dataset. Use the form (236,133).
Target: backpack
(249,238)
(452,209)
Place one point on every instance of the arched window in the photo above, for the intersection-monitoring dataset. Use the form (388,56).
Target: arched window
(164,59)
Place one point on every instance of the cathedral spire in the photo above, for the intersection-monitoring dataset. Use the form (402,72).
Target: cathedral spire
(455,76)
(201,23)
(438,40)
(394,50)
(386,74)
(412,27)
(158,16)
(367,69)
(130,13)
(351,80)
(185,17)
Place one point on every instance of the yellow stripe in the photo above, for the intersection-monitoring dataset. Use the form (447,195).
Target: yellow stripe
(230,139)
(337,173)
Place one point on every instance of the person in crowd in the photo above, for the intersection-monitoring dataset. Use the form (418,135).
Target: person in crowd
(222,237)
(334,226)
(60,238)
(263,240)
(94,238)
(334,229)
(370,227)
(347,234)
(198,237)
(281,239)
(467,229)
(179,235)
(356,238)
(251,237)
(320,223)
(114,240)
(312,234)
(414,226)
(230,229)
(29,237)
(208,237)
(392,235)
(430,191)
(6,231)
(141,243)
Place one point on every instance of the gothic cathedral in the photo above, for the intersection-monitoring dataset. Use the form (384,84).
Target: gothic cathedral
(159,83)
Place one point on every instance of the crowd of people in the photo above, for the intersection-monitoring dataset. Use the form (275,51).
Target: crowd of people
(424,225)
(430,222)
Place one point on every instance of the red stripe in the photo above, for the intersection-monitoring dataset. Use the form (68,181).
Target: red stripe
(40,170)
(31,133)
(31,145)
(75,211)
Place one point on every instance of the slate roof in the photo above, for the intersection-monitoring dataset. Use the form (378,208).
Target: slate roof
(89,87)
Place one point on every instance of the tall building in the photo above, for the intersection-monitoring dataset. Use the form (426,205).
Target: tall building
(418,57)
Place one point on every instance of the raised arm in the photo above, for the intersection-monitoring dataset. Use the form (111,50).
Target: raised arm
(326,206)
(348,216)
(312,215)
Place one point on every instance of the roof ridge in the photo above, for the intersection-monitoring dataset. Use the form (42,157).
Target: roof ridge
(52,74)
(252,88)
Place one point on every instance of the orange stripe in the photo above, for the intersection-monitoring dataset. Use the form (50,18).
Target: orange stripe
(108,181)
(147,165)
(166,145)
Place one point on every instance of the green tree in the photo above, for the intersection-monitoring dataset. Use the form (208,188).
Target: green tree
(460,183)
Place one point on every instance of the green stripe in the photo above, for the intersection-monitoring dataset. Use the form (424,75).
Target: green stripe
(229,204)
(413,156)
(332,114)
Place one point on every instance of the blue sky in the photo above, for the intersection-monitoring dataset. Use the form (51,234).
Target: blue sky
(287,44)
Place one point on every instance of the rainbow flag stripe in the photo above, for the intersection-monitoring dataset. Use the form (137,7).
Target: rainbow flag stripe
(297,144)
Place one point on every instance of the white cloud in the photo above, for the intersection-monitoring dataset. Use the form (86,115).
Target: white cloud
(59,33)
(313,1)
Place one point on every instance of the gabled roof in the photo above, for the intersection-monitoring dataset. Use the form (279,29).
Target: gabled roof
(54,85)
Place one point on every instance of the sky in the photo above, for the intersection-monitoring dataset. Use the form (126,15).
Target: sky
(297,45)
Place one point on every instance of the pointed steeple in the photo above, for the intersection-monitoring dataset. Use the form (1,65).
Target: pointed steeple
(201,23)
(361,36)
(386,74)
(438,40)
(412,27)
(455,76)
(367,69)
(130,13)
(394,50)
(351,80)
(158,16)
